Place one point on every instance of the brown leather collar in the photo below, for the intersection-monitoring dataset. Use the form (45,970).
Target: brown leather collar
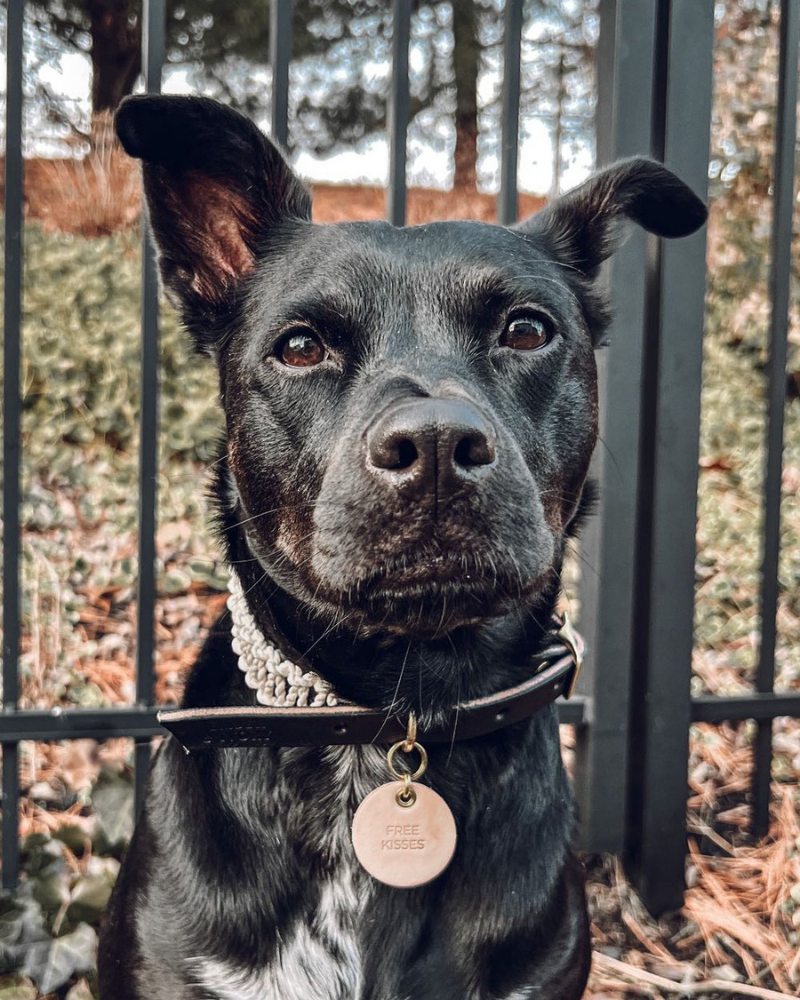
(204,728)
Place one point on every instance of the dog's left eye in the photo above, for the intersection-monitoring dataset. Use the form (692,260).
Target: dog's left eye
(528,332)
(301,348)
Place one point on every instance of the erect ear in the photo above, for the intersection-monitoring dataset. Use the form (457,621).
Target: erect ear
(586,225)
(215,186)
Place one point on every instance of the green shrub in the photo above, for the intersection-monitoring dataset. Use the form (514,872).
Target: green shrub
(81,355)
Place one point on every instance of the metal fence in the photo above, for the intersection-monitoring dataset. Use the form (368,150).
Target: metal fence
(633,709)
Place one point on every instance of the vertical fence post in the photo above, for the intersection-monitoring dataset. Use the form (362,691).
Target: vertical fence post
(508,199)
(780,277)
(280,47)
(625,62)
(153,44)
(668,467)
(396,194)
(12,408)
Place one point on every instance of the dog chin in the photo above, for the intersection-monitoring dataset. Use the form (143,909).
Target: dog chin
(429,614)
(431,607)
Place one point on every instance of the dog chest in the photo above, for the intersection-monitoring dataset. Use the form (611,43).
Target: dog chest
(320,956)
(319,960)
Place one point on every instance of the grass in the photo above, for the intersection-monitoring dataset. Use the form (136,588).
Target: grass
(730,513)
(80,466)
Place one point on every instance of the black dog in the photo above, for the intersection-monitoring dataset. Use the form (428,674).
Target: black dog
(410,417)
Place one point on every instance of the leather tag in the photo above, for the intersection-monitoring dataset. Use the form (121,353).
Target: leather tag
(404,845)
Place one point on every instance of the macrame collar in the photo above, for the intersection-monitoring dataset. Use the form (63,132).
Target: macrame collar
(277,682)
(298,708)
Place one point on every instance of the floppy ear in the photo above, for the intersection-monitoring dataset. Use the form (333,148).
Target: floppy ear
(586,225)
(215,186)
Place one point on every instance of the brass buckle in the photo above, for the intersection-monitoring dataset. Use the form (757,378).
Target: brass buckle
(575,645)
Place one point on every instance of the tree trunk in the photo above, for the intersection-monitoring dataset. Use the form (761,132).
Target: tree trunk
(466,62)
(116,51)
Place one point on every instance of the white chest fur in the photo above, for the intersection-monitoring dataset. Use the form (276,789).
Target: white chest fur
(318,960)
(319,957)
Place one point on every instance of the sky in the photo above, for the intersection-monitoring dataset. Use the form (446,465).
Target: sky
(69,76)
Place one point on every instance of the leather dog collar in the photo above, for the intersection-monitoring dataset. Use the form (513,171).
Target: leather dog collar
(555,674)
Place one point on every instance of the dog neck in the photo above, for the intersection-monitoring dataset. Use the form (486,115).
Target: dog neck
(276,680)
(389,672)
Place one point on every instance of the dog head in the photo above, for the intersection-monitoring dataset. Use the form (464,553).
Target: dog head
(410,412)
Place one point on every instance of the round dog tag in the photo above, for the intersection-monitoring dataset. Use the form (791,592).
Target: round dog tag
(404,845)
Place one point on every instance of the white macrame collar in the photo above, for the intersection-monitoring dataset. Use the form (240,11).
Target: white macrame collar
(276,681)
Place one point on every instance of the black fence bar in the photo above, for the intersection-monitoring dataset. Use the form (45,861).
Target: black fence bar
(12,411)
(10,814)
(655,93)
(668,466)
(733,708)
(573,712)
(608,544)
(508,199)
(153,49)
(140,722)
(137,722)
(280,54)
(399,103)
(780,277)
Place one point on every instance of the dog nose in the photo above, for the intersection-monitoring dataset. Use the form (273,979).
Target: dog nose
(432,443)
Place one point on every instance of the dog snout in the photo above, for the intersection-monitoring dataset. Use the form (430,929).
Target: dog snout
(434,445)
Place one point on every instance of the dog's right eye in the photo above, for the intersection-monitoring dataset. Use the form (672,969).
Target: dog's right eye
(528,332)
(301,348)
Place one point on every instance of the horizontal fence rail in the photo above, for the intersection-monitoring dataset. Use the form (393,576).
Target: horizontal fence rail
(633,708)
(762,706)
(137,722)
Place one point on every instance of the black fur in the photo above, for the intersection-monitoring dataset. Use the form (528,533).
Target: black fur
(409,585)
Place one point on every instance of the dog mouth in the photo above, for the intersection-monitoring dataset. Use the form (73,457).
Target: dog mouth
(431,594)
(426,570)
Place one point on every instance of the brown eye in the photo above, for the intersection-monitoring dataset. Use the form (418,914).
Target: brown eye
(528,333)
(301,349)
